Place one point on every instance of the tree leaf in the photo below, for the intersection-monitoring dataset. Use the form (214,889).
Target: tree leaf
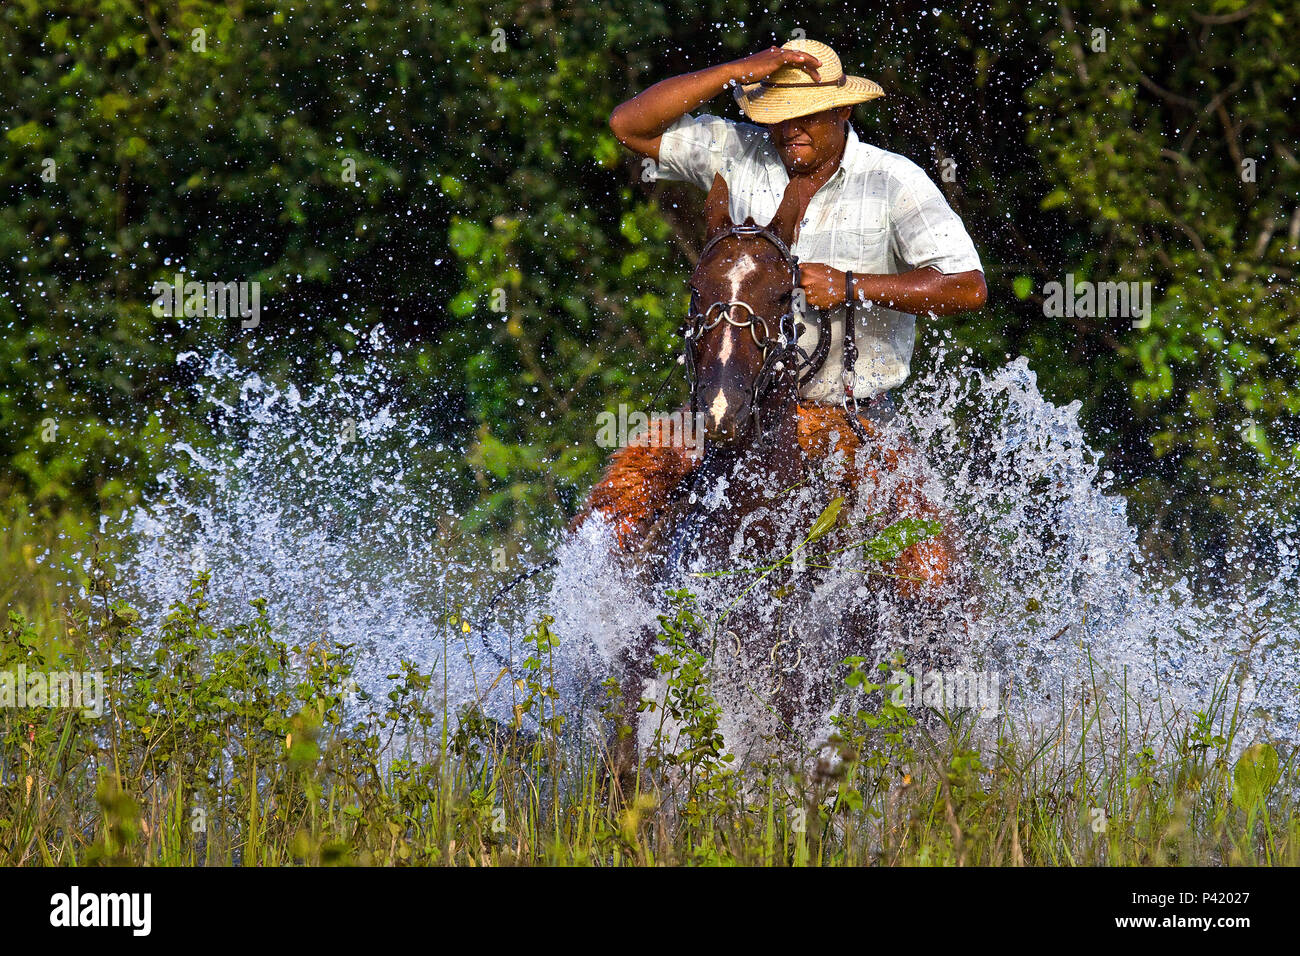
(899,536)
(825,521)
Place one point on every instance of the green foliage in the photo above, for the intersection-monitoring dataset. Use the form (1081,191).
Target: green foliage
(825,521)
(899,536)
(222,744)
(688,738)
(1171,150)
(531,275)
(1255,775)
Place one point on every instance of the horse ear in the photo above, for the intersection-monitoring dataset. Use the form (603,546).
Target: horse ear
(783,221)
(717,207)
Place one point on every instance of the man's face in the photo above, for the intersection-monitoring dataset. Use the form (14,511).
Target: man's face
(806,142)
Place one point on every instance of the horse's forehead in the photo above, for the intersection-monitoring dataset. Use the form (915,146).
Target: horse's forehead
(732,266)
(741,269)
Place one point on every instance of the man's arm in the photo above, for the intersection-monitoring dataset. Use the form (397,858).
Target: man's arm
(639,123)
(918,292)
(926,235)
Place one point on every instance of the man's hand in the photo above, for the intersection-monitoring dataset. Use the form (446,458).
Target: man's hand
(823,287)
(759,66)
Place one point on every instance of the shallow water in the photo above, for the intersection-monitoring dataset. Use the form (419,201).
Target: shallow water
(322,501)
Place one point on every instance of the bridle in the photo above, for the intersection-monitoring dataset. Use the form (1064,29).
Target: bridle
(781,353)
(775,350)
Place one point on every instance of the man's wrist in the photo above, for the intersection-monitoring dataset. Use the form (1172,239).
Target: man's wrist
(853,287)
(861,288)
(736,73)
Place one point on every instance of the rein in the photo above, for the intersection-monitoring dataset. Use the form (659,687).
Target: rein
(849,374)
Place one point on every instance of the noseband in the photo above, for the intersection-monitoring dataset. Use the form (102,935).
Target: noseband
(780,353)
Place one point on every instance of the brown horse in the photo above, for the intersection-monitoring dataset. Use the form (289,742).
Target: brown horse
(679,511)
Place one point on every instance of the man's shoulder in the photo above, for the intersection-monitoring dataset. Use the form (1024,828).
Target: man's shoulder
(697,147)
(721,132)
(748,130)
(894,167)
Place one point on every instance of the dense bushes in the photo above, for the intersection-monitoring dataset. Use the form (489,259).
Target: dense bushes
(446,170)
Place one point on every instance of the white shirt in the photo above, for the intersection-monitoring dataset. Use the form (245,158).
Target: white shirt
(878,214)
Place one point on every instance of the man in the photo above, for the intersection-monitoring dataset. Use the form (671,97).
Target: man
(861,209)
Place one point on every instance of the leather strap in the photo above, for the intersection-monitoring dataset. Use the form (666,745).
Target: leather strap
(850,335)
(843,79)
(850,372)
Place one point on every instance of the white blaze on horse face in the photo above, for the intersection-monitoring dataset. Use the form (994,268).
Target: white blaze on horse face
(718,407)
(724,355)
(740,270)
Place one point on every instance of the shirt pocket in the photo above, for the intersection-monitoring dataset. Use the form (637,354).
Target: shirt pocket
(861,249)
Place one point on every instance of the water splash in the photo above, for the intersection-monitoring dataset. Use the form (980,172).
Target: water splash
(319,500)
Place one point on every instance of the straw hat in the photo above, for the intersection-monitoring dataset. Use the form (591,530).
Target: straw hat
(791,92)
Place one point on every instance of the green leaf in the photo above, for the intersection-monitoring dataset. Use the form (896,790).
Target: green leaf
(29,134)
(899,536)
(1057,197)
(1255,774)
(826,520)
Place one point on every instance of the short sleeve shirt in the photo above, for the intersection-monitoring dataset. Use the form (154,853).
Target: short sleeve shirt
(879,213)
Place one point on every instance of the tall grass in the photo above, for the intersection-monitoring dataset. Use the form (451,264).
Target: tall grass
(222,744)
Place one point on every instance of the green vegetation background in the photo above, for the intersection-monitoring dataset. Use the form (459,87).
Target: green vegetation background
(481,169)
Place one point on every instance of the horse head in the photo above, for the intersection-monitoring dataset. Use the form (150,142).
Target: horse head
(741,325)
